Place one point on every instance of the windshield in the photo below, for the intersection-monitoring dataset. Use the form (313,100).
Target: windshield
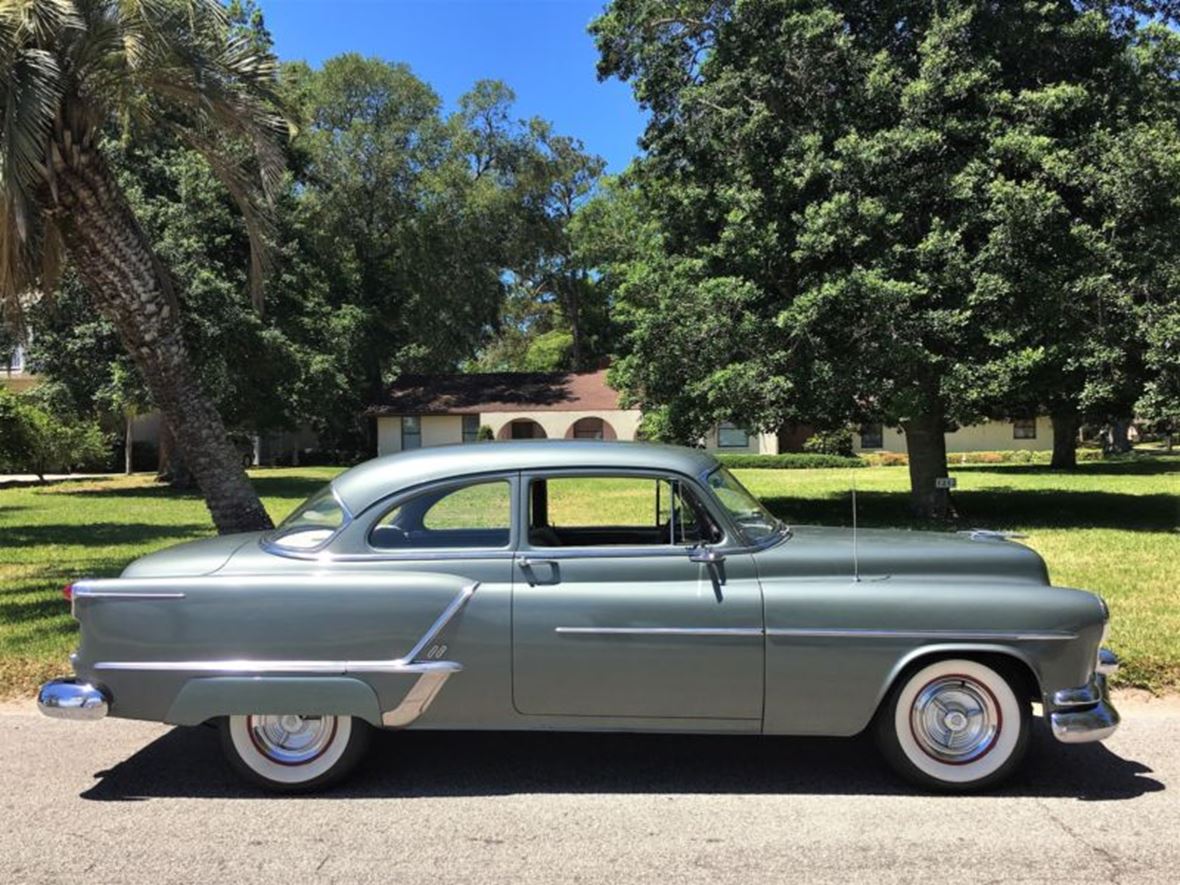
(753,519)
(312,523)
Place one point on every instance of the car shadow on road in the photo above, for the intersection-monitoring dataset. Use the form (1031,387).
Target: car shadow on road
(187,762)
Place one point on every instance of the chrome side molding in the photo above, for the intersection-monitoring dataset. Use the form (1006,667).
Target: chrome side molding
(659,631)
(952,635)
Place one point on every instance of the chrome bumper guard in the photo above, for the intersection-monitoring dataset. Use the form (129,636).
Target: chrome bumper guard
(1085,713)
(71,699)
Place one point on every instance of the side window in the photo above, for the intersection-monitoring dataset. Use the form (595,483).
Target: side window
(476,516)
(623,511)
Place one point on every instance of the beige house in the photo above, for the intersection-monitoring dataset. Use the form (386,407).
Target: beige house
(431,410)
(1031,434)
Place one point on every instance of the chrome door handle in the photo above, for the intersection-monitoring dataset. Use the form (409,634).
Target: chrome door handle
(526,562)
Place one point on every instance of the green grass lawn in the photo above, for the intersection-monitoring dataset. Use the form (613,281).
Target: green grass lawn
(1109,527)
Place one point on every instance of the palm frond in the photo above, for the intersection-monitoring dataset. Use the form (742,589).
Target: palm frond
(69,66)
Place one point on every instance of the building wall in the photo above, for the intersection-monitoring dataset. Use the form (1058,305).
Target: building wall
(556,425)
(757,444)
(437,430)
(440,430)
(991,436)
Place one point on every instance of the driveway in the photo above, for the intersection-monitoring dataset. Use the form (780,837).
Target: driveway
(133,802)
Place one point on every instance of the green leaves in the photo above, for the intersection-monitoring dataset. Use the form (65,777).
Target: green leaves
(954,210)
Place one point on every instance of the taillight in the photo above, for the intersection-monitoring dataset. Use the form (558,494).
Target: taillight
(68,592)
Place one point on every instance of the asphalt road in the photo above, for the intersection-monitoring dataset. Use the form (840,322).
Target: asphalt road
(130,802)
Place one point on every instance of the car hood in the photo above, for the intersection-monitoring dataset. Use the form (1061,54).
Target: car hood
(190,559)
(880,553)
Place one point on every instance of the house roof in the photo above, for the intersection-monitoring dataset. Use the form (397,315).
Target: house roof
(497,392)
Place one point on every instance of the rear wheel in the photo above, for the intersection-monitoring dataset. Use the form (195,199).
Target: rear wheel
(955,725)
(292,753)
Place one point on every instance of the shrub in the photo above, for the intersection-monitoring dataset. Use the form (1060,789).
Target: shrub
(35,440)
(484,434)
(789,461)
(886,459)
(829,442)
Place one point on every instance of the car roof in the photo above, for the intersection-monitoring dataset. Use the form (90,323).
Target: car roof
(371,481)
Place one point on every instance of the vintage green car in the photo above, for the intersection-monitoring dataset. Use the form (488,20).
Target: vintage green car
(578,586)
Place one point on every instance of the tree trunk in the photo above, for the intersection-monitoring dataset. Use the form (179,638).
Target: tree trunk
(1065,441)
(925,442)
(116,264)
(1119,438)
(128,440)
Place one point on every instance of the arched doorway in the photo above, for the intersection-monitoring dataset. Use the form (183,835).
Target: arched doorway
(522,428)
(590,428)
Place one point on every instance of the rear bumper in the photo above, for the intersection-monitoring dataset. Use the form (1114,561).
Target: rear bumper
(72,699)
(1085,714)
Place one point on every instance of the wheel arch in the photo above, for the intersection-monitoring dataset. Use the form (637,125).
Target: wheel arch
(1015,660)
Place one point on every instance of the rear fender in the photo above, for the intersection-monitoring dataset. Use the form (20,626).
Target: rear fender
(209,697)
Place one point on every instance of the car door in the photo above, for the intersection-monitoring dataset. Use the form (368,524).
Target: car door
(611,615)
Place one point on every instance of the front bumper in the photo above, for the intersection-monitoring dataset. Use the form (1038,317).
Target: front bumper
(1085,713)
(72,699)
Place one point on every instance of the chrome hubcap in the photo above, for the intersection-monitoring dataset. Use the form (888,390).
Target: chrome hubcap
(955,719)
(292,740)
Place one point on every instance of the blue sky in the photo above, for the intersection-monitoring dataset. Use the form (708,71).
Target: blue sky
(538,47)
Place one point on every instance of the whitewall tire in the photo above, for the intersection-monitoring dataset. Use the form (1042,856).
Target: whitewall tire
(293,753)
(955,724)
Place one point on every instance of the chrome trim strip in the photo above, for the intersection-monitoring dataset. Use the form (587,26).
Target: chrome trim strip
(248,666)
(841,633)
(660,631)
(423,554)
(456,605)
(417,699)
(863,633)
(113,594)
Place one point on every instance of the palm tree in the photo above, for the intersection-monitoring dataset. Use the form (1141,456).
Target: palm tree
(71,70)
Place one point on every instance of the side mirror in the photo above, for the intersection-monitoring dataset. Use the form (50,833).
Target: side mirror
(715,561)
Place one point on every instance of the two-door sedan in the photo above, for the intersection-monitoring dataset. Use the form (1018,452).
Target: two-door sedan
(582,586)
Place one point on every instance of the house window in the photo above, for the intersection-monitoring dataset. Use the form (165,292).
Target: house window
(730,436)
(872,436)
(588,428)
(1024,428)
(470,428)
(411,432)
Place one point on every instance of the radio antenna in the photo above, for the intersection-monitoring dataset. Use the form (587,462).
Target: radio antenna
(855,558)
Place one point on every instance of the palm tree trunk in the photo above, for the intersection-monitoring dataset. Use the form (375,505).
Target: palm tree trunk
(126,283)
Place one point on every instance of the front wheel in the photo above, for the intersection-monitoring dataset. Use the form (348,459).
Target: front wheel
(291,753)
(954,725)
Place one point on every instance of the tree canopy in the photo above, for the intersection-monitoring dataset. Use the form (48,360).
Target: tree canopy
(922,214)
